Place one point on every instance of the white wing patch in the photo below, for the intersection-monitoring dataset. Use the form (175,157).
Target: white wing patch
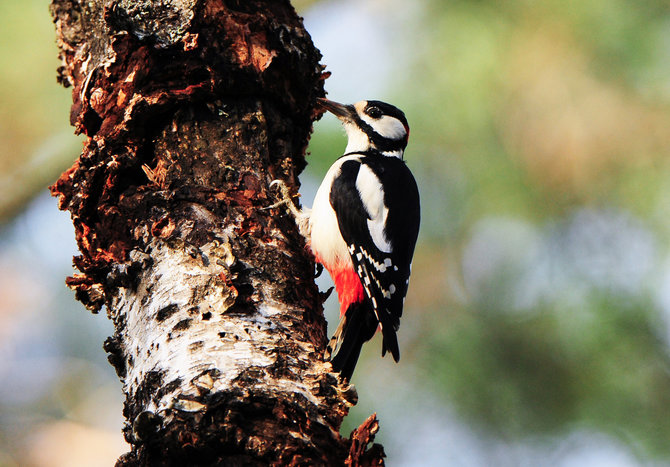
(372,194)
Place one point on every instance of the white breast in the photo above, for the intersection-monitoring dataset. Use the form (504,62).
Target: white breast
(326,240)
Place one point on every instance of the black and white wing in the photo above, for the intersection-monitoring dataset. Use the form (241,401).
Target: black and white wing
(376,202)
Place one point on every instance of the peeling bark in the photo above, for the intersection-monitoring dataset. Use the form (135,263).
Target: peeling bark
(361,437)
(191,109)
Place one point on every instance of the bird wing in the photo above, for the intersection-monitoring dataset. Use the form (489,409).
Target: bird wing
(363,213)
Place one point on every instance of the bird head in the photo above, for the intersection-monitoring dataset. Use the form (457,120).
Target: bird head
(371,126)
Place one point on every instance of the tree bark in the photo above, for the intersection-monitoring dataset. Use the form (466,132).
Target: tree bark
(191,108)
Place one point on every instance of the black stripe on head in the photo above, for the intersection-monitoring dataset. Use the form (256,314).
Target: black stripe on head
(390,110)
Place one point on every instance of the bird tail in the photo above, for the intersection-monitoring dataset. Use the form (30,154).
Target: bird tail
(390,341)
(357,326)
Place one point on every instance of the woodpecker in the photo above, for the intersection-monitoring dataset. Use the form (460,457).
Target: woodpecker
(363,227)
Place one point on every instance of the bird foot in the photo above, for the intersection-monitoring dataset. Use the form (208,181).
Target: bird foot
(301,216)
(287,198)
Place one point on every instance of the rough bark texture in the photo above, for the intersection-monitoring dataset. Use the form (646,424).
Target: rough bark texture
(191,109)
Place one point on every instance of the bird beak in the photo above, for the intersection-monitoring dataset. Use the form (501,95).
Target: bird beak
(341,111)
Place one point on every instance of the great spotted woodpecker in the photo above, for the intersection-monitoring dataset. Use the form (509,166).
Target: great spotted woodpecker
(363,227)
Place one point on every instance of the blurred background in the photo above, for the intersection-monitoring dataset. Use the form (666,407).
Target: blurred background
(537,326)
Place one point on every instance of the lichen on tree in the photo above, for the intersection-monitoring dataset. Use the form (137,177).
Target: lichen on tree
(191,108)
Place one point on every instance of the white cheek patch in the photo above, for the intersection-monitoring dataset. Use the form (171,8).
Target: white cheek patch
(387,126)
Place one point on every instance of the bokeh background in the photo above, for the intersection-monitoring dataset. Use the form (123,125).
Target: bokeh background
(537,326)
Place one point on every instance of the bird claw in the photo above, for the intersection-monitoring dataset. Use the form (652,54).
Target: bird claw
(287,197)
(301,216)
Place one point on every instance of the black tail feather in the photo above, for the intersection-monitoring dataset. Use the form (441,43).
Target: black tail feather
(359,326)
(390,344)
(390,341)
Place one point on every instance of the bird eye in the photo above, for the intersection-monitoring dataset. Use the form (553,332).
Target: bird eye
(374,112)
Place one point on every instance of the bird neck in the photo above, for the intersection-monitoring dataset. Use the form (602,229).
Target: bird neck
(397,153)
(373,152)
(357,140)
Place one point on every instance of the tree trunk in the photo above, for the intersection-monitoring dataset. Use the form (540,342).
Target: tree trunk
(191,108)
